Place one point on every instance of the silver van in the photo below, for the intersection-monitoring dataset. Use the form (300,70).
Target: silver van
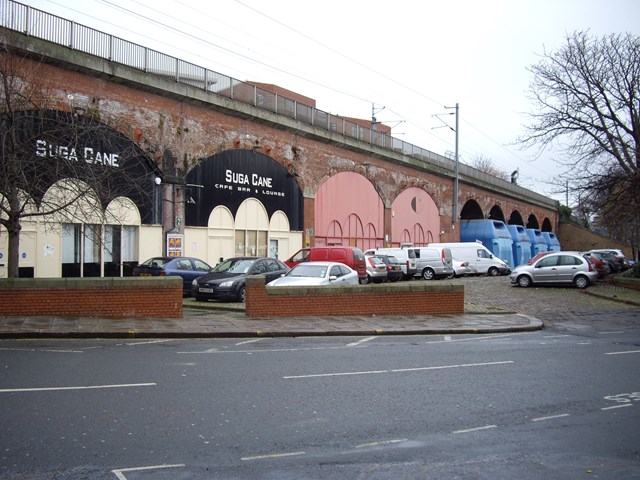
(433,262)
(406,257)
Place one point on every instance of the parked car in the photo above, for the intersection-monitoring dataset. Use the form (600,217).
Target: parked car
(394,269)
(433,262)
(616,258)
(189,268)
(376,269)
(406,257)
(556,268)
(350,256)
(227,281)
(317,273)
(600,264)
(462,269)
(479,257)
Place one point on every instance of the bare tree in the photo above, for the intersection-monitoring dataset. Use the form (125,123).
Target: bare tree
(55,165)
(485,164)
(586,97)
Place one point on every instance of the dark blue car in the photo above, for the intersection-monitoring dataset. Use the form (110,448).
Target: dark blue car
(189,268)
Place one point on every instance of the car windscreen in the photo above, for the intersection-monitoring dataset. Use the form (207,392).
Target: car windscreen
(302,270)
(234,265)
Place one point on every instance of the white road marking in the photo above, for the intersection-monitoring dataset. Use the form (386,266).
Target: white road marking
(272,455)
(397,370)
(554,336)
(254,340)
(355,344)
(40,350)
(384,442)
(486,427)
(622,353)
(118,472)
(151,341)
(551,417)
(447,338)
(89,387)
(610,333)
(618,406)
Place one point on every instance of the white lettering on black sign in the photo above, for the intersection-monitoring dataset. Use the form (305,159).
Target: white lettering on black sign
(244,182)
(73,154)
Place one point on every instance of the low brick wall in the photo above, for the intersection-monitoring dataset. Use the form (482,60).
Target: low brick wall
(402,298)
(152,297)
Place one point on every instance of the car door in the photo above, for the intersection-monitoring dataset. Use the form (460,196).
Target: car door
(274,270)
(568,266)
(546,269)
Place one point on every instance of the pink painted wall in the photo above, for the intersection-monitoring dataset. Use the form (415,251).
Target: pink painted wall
(349,211)
(415,218)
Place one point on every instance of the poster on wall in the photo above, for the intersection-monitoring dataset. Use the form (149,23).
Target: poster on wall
(174,245)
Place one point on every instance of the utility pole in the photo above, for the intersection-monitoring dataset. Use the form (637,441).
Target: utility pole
(456,186)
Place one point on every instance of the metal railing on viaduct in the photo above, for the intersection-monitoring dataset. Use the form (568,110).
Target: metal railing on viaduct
(37,23)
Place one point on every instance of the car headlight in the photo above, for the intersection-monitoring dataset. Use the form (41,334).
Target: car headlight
(226,284)
(195,282)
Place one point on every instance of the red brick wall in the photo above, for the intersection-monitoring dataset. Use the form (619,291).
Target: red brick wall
(405,298)
(99,297)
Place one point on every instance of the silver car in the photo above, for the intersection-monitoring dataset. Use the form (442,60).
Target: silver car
(317,273)
(376,269)
(556,268)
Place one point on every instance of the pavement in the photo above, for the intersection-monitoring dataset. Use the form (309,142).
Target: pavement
(226,319)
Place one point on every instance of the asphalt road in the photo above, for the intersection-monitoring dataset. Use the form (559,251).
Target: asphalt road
(529,406)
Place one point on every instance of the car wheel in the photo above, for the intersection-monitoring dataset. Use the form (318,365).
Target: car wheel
(524,281)
(428,274)
(581,281)
(242,294)
(365,281)
(493,272)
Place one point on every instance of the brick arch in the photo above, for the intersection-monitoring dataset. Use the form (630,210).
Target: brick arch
(496,213)
(471,211)
(516,218)
(532,222)
(546,225)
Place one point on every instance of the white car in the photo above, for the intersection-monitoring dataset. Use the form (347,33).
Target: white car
(317,273)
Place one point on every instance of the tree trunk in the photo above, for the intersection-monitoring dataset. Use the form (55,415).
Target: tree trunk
(13,230)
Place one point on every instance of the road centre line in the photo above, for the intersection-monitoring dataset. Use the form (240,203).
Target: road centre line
(253,340)
(623,353)
(468,430)
(617,406)
(38,350)
(118,472)
(398,370)
(355,344)
(382,443)
(151,341)
(551,417)
(88,387)
(272,455)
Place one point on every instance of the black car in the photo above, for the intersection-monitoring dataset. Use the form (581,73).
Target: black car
(189,268)
(394,270)
(228,279)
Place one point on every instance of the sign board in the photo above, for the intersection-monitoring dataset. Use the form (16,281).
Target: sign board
(175,244)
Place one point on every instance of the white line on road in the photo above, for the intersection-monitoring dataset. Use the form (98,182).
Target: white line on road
(381,443)
(355,344)
(40,350)
(551,417)
(486,427)
(272,455)
(617,406)
(254,340)
(610,333)
(118,472)
(398,370)
(151,341)
(89,387)
(622,353)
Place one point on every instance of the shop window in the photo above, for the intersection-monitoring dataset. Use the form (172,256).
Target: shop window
(252,243)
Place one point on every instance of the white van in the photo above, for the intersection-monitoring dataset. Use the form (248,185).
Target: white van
(406,257)
(478,256)
(433,262)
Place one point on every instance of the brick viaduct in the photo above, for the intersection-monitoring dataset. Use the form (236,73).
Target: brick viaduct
(177,124)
